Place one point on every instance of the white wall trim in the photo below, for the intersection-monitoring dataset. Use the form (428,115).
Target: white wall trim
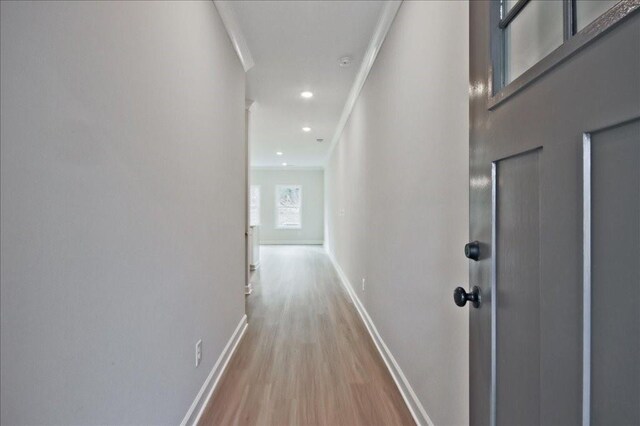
(380,33)
(198,405)
(418,412)
(235,33)
(291,242)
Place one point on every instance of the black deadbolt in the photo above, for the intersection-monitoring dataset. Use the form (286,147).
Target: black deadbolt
(472,250)
(461,297)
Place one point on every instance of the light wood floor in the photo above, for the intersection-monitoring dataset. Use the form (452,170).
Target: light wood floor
(306,357)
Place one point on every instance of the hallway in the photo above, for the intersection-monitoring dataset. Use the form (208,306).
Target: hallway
(306,357)
(430,194)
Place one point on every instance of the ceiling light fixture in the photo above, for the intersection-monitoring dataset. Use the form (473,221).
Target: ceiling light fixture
(306,129)
(306,95)
(279,153)
(284,164)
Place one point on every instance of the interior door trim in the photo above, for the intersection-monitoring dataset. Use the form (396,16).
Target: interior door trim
(586,279)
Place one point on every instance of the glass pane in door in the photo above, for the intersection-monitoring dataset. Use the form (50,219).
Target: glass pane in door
(532,35)
(588,10)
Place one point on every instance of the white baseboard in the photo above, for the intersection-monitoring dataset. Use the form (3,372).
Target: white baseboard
(197,407)
(418,412)
(291,242)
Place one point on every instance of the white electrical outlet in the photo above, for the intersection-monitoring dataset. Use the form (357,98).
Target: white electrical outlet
(198,352)
(363,284)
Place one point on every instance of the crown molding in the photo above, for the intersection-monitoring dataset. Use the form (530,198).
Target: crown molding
(235,33)
(289,168)
(387,16)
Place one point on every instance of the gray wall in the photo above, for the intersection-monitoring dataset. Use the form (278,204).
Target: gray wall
(312,182)
(122,208)
(397,201)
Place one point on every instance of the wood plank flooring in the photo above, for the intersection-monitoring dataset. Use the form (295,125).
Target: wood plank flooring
(306,357)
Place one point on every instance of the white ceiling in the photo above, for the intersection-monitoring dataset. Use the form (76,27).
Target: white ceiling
(296,46)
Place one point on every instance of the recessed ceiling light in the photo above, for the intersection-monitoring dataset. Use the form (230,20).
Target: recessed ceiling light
(284,164)
(279,153)
(306,95)
(306,129)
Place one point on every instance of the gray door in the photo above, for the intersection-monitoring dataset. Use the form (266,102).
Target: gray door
(555,209)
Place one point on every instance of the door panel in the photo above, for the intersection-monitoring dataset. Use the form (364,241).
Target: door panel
(615,276)
(518,289)
(534,139)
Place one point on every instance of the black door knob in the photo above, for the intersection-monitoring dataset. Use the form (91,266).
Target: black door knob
(472,250)
(461,297)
